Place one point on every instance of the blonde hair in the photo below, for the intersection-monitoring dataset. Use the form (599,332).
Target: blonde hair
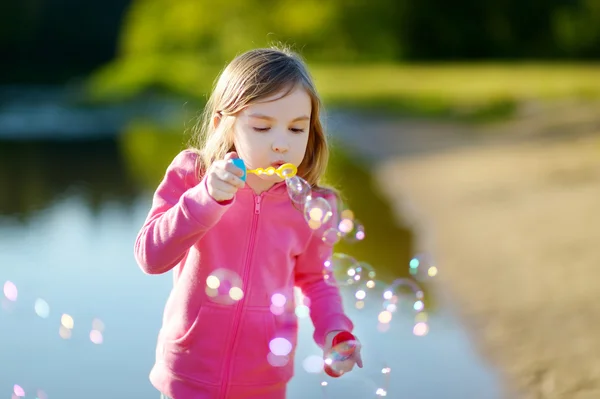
(252,76)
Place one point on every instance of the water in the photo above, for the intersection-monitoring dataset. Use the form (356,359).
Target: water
(70,211)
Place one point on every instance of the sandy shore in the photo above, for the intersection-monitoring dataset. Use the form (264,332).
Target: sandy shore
(515,229)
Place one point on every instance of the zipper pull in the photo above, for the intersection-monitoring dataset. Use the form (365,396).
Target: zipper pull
(257,205)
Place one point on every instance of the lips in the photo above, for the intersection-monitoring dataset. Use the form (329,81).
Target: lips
(277,164)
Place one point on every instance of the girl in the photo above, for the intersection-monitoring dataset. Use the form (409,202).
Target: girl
(238,248)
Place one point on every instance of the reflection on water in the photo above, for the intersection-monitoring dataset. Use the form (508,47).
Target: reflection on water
(34,174)
(70,220)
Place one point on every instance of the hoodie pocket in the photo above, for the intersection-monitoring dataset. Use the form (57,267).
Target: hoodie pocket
(199,353)
(264,353)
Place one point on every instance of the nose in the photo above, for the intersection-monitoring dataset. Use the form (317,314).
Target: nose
(280,145)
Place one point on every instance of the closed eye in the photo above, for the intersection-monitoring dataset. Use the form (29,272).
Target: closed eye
(295,130)
(261,129)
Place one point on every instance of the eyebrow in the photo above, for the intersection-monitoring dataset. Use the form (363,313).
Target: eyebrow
(269,118)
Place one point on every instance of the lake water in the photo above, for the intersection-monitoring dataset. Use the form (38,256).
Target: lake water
(69,214)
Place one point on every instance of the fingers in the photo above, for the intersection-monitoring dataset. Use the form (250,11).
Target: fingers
(223,179)
(231,168)
(231,155)
(228,175)
(357,357)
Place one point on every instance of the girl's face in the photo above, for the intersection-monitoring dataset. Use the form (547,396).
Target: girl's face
(271,132)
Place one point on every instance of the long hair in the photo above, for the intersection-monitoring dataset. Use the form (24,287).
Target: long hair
(253,76)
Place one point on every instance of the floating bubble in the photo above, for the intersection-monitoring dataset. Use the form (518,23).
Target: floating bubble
(67,321)
(347,214)
(278,300)
(97,325)
(96,337)
(421,266)
(64,332)
(302,311)
(343,270)
(302,304)
(403,288)
(420,329)
(224,286)
(277,310)
(10,291)
(317,211)
(340,353)
(42,308)
(18,390)
(419,305)
(236,293)
(421,317)
(331,236)
(351,230)
(277,361)
(313,364)
(298,189)
(280,346)
(385,317)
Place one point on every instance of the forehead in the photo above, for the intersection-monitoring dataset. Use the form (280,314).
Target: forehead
(282,106)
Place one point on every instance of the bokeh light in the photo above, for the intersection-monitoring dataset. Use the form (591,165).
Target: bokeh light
(10,291)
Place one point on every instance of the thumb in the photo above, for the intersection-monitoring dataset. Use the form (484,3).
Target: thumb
(231,155)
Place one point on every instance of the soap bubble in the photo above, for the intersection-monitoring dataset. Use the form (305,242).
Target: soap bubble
(403,293)
(224,286)
(67,321)
(352,230)
(422,267)
(343,270)
(280,346)
(365,288)
(18,390)
(403,288)
(42,308)
(331,236)
(10,291)
(317,211)
(298,189)
(96,337)
(341,352)
(313,364)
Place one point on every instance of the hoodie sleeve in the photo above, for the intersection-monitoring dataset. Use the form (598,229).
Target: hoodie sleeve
(326,309)
(182,212)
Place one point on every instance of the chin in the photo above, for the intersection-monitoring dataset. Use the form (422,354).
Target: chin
(274,178)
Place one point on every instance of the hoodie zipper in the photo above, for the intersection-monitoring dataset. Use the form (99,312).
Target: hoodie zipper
(238,314)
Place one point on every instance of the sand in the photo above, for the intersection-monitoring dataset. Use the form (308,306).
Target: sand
(515,229)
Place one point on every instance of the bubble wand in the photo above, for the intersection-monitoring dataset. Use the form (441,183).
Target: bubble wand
(287,170)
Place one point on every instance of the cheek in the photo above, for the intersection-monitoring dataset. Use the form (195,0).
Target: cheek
(300,147)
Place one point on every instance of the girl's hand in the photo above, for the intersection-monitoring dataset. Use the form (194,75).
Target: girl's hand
(342,367)
(223,179)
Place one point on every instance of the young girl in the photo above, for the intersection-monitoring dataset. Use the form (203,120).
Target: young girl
(238,248)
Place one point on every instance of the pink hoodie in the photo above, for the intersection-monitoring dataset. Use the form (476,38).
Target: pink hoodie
(210,350)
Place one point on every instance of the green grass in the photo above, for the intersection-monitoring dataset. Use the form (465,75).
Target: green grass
(464,91)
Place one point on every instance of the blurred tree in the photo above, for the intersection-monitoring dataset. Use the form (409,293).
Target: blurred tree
(50,41)
(330,30)
(577,29)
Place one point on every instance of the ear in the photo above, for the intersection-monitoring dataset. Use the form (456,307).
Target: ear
(216,120)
